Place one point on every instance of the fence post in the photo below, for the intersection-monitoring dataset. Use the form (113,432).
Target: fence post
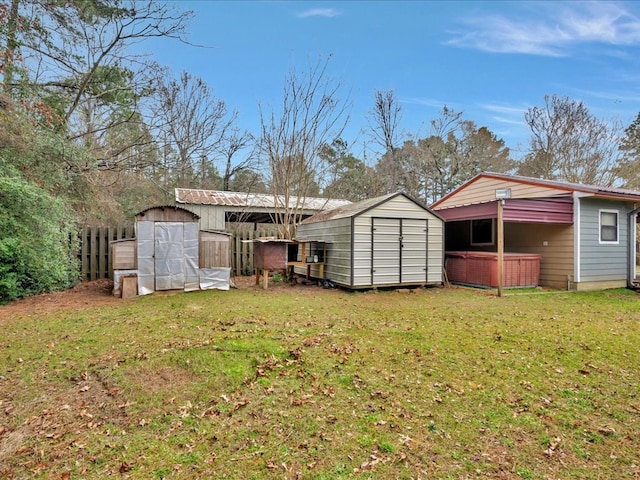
(84,253)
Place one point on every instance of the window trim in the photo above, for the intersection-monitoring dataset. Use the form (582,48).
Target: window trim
(608,242)
(493,232)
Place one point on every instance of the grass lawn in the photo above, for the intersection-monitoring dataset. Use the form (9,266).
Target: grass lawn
(302,382)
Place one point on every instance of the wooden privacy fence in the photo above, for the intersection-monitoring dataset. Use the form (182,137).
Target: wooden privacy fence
(96,257)
(95,254)
(242,249)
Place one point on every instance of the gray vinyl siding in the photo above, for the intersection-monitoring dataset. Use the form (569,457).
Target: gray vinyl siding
(602,262)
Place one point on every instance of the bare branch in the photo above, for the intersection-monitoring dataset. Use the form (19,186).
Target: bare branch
(311,116)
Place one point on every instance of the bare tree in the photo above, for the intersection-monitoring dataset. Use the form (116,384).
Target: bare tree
(569,144)
(7,56)
(231,144)
(71,64)
(311,116)
(190,125)
(384,119)
(455,151)
(383,124)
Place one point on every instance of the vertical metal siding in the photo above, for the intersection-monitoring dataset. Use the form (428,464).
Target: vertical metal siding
(145,238)
(415,250)
(351,250)
(211,216)
(361,252)
(405,210)
(385,251)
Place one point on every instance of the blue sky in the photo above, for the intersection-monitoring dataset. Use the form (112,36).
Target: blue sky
(490,60)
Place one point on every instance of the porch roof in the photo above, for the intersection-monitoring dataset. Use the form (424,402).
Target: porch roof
(557,210)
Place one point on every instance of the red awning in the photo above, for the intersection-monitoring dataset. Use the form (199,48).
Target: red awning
(557,210)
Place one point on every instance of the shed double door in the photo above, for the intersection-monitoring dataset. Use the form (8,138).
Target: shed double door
(399,251)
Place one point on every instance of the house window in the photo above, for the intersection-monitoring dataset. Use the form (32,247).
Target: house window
(608,226)
(482,232)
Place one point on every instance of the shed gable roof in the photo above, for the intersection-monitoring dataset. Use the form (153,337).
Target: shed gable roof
(358,208)
(252,200)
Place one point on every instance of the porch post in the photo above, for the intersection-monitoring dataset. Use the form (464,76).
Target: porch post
(500,246)
(633,274)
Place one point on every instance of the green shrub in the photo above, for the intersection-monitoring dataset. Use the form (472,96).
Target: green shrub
(38,241)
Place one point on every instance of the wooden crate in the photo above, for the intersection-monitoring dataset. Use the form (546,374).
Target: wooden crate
(123,254)
(129,286)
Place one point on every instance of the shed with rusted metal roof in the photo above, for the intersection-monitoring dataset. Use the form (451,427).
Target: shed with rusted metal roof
(217,208)
(387,241)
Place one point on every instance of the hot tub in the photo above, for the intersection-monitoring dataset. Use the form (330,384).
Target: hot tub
(481,269)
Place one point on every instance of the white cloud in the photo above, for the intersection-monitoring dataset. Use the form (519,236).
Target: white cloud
(425,102)
(550,29)
(507,121)
(507,114)
(629,96)
(319,12)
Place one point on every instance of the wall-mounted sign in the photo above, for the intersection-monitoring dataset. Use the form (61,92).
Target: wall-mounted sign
(502,193)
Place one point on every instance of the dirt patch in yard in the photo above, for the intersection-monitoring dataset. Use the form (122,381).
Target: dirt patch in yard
(99,292)
(85,294)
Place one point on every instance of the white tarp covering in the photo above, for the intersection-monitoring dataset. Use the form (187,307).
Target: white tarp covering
(191,241)
(169,255)
(168,259)
(117,275)
(146,267)
(215,278)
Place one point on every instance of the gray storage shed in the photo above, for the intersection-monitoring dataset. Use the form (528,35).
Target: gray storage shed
(386,241)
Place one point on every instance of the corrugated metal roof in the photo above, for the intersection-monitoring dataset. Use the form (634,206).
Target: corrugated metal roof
(252,200)
(270,240)
(346,211)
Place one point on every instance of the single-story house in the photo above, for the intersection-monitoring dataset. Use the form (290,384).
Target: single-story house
(217,208)
(585,235)
(387,241)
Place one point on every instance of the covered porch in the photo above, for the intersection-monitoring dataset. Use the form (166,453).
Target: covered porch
(540,226)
